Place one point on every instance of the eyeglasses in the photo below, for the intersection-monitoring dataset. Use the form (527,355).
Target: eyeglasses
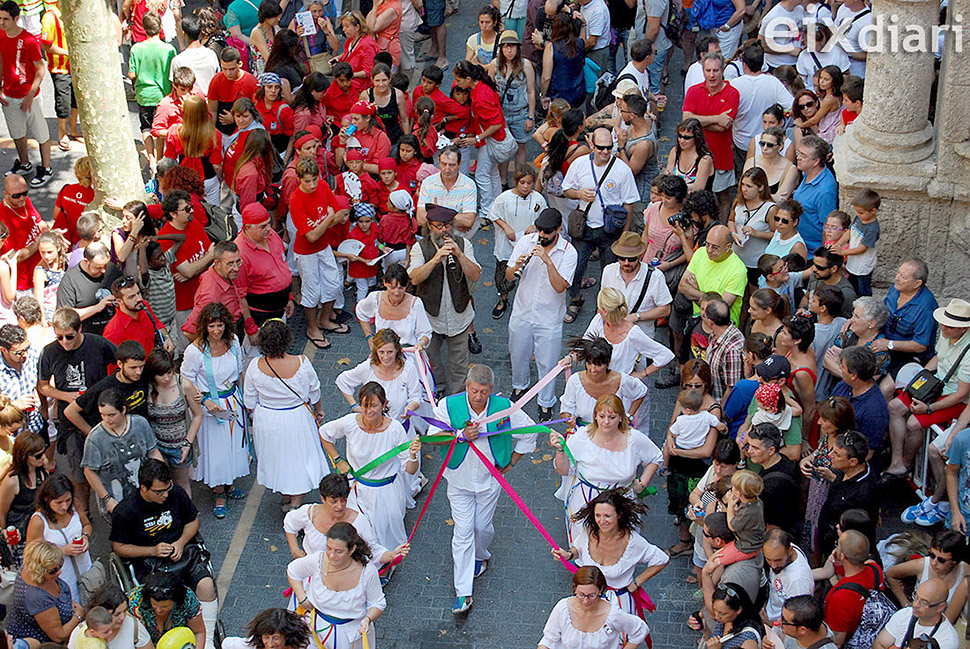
(681,136)
(164,490)
(922,602)
(785,622)
(891,322)
(589,596)
(779,219)
(936,557)
(53,571)
(66,336)
(19,194)
(602,147)
(19,353)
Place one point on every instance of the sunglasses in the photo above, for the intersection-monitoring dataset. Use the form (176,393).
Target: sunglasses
(935,557)
(808,105)
(19,194)
(768,145)
(21,353)
(779,219)
(630,259)
(126,282)
(38,456)
(684,137)
(546,230)
(821,268)
(53,571)
(66,336)
(603,147)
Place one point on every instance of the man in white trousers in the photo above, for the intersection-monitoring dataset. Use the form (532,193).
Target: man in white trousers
(472,490)
(546,263)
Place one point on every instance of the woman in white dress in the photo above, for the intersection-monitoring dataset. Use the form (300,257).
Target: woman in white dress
(588,620)
(584,388)
(634,352)
(610,541)
(213,364)
(338,591)
(393,308)
(379,493)
(283,394)
(58,521)
(607,454)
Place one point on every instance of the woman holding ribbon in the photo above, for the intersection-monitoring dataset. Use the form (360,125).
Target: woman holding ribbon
(588,620)
(609,540)
(603,455)
(213,364)
(282,391)
(338,591)
(386,365)
(583,389)
(393,308)
(370,436)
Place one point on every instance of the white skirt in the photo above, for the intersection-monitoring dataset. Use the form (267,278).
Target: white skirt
(290,459)
(223,447)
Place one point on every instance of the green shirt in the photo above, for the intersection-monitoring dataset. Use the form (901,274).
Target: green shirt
(150,62)
(729,275)
(244,13)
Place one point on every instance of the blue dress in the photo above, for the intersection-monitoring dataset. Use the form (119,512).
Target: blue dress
(567,74)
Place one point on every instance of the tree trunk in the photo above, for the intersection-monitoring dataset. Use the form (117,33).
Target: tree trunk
(96,73)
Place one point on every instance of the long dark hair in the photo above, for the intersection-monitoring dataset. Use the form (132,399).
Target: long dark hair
(304,98)
(26,445)
(558,149)
(737,598)
(469,70)
(564,29)
(159,362)
(693,125)
(348,534)
(286,44)
(628,512)
(278,620)
(215,312)
(53,488)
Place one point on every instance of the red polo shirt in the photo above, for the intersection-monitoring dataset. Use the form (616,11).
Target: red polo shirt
(213,288)
(196,244)
(338,102)
(263,271)
(25,225)
(701,102)
(123,327)
(71,201)
(374,145)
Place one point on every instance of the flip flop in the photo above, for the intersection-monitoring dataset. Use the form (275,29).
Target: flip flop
(64,144)
(589,282)
(672,553)
(340,329)
(319,343)
(76,138)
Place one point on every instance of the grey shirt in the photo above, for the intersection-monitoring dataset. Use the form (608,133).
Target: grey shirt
(116,459)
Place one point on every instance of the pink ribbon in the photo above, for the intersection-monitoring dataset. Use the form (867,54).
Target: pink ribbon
(525,398)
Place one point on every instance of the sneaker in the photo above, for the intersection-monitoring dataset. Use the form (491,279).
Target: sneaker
(480,567)
(461,605)
(42,177)
(19,168)
(931,518)
(474,346)
(910,514)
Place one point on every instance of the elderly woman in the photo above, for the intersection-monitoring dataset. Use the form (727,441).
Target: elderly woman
(605,454)
(273,628)
(282,391)
(609,540)
(42,608)
(338,591)
(865,326)
(589,620)
(58,521)
(585,388)
(163,602)
(393,308)
(370,433)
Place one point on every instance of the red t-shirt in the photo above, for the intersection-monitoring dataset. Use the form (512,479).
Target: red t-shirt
(25,225)
(370,192)
(360,56)
(443,105)
(486,111)
(358,268)
(19,55)
(307,211)
(168,114)
(71,200)
(383,194)
(843,607)
(700,102)
(278,120)
(397,228)
(407,176)
(122,327)
(429,145)
(338,102)
(848,116)
(196,244)
(225,92)
(231,156)
(205,164)
(375,145)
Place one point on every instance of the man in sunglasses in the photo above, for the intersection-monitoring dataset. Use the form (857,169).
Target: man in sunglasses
(802,621)
(84,288)
(545,263)
(827,270)
(18,376)
(24,223)
(922,621)
(133,319)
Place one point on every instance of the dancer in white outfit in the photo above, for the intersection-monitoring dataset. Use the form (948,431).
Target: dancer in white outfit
(585,387)
(283,394)
(587,620)
(338,591)
(377,493)
(394,309)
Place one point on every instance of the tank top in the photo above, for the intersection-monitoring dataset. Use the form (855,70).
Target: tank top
(169,421)
(690,175)
(23,505)
(926,575)
(649,170)
(390,116)
(772,188)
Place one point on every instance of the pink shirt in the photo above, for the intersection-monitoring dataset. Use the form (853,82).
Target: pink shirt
(262,272)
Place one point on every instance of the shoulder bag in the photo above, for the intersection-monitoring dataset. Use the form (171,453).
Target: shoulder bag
(927,388)
(576,224)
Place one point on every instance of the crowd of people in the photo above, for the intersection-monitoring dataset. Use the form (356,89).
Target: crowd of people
(296,161)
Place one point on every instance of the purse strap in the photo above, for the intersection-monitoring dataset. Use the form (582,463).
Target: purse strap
(77,573)
(599,184)
(283,381)
(643,291)
(956,365)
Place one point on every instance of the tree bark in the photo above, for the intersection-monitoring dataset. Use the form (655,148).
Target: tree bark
(96,73)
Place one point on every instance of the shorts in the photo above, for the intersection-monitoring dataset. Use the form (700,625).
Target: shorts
(434,12)
(173,456)
(684,475)
(322,278)
(64,99)
(20,124)
(723,179)
(146,115)
(943,416)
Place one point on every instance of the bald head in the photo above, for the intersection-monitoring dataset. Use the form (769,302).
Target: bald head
(13,185)
(932,591)
(719,234)
(854,547)
(718,243)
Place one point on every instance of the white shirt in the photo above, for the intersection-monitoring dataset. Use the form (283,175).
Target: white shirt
(632,352)
(757,93)
(690,431)
(536,301)
(643,78)
(807,67)
(657,292)
(780,29)
(519,212)
(851,36)
(946,636)
(695,73)
(471,474)
(619,187)
(597,16)
(202,61)
(132,634)
(794,579)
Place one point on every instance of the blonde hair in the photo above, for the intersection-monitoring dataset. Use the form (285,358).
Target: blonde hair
(613,302)
(196,130)
(613,403)
(83,171)
(748,483)
(9,413)
(39,557)
(359,21)
(557,109)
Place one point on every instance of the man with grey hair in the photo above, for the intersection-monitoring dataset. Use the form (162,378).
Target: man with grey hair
(86,288)
(472,491)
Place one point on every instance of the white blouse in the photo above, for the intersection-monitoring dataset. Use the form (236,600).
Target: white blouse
(411,328)
(578,402)
(605,468)
(347,604)
(363,447)
(400,391)
(559,632)
(633,351)
(620,574)
(301,520)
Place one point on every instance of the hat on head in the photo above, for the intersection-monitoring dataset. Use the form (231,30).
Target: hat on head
(386,164)
(626,87)
(254,214)
(363,108)
(309,137)
(767,394)
(402,200)
(340,203)
(365,210)
(354,154)
(773,367)
(509,37)
(629,245)
(425,171)
(954,314)
(267,78)
(440,213)
(314,131)
(549,218)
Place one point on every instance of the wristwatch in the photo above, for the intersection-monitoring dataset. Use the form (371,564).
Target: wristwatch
(891,345)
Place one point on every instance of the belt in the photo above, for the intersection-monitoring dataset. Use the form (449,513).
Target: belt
(222,394)
(331,619)
(380,482)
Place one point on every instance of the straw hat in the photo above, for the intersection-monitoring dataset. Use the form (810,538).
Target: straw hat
(629,245)
(509,37)
(954,314)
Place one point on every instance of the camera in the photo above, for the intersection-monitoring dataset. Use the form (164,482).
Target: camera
(681,219)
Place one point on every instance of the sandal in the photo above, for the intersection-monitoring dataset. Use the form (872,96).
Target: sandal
(219,511)
(64,144)
(500,308)
(319,343)
(339,329)
(572,312)
(692,579)
(236,494)
(589,282)
(695,622)
(680,548)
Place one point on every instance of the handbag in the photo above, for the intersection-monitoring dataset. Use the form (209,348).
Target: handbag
(576,224)
(927,388)
(8,576)
(614,216)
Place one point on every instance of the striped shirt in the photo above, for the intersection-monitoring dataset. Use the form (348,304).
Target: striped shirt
(160,292)
(52,33)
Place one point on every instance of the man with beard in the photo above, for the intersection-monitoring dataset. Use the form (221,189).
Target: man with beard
(441,268)
(545,262)
(133,319)
(218,285)
(84,288)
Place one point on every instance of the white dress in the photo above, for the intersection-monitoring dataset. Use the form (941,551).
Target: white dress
(559,632)
(301,520)
(578,402)
(284,429)
(381,495)
(601,469)
(620,574)
(223,444)
(350,605)
(410,328)
(62,537)
(404,389)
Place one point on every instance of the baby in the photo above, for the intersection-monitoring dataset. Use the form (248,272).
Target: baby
(692,426)
(772,407)
(746,518)
(95,631)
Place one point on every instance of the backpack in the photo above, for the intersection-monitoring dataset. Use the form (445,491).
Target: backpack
(605,85)
(222,226)
(703,12)
(875,612)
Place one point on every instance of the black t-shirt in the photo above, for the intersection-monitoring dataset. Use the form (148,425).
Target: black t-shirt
(136,521)
(76,370)
(782,494)
(136,398)
(622,16)
(78,290)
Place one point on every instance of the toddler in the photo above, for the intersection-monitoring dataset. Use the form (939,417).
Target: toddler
(863,235)
(692,427)
(746,518)
(772,407)
(363,274)
(95,631)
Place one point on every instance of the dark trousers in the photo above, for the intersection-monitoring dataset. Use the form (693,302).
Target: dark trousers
(592,239)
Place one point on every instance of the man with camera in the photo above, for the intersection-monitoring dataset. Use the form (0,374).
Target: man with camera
(922,625)
(441,269)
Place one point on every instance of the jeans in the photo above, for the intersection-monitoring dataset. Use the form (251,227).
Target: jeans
(593,238)
(656,70)
(622,36)
(487,178)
